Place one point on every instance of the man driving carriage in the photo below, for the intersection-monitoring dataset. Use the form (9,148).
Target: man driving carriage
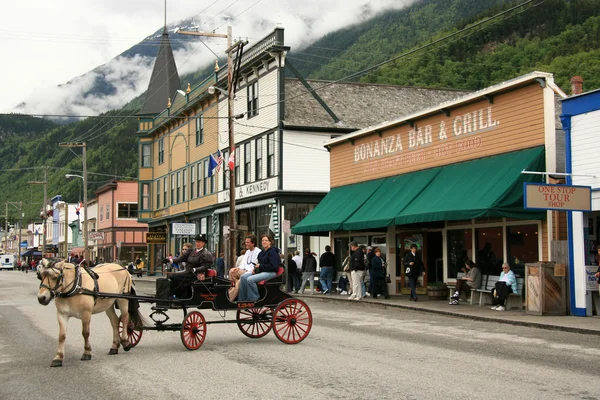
(197,262)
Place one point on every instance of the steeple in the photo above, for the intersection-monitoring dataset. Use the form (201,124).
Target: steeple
(165,79)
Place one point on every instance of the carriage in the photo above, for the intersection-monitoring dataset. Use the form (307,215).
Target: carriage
(289,318)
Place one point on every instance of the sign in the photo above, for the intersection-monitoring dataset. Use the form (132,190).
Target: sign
(590,279)
(96,235)
(250,190)
(183,229)
(287,226)
(156,237)
(242,228)
(560,269)
(540,196)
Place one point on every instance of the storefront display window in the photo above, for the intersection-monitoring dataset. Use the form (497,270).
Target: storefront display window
(489,245)
(522,247)
(296,212)
(460,249)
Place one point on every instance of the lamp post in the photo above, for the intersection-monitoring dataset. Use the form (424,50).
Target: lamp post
(84,177)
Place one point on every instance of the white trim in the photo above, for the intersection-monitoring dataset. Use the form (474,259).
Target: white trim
(579,260)
(449,104)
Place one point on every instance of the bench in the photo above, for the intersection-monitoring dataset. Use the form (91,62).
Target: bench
(485,294)
(139,272)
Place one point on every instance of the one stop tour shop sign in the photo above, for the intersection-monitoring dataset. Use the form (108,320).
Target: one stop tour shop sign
(541,196)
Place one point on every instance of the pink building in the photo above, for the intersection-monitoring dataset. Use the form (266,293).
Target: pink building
(124,237)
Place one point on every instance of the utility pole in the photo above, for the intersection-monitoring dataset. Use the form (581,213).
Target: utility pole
(6,229)
(20,228)
(44,216)
(20,204)
(85,188)
(230,95)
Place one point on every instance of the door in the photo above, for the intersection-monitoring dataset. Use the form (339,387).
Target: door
(435,254)
(403,242)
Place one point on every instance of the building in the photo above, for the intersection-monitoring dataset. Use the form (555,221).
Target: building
(281,166)
(450,179)
(123,237)
(580,118)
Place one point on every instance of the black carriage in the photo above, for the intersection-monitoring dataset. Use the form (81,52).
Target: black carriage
(288,317)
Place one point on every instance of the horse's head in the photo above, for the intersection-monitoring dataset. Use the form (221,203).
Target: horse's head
(50,272)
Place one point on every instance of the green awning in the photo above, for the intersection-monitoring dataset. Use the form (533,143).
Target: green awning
(339,204)
(487,187)
(390,199)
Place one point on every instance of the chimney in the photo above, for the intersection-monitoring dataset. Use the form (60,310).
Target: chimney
(576,85)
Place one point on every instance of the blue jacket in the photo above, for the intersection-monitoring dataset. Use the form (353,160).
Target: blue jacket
(269,260)
(512,281)
(377,268)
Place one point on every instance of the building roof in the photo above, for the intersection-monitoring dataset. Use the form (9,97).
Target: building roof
(349,100)
(164,81)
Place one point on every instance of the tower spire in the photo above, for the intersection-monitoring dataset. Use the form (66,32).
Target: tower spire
(165,28)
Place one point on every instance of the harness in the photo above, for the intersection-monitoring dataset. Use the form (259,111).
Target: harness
(73,288)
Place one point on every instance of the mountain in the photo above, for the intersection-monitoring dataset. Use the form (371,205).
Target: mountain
(559,36)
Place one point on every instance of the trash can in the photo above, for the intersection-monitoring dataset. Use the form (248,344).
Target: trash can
(546,288)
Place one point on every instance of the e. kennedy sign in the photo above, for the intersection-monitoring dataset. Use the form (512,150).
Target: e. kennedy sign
(540,196)
(184,229)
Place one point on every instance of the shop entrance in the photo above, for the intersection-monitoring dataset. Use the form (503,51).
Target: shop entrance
(435,256)
(403,242)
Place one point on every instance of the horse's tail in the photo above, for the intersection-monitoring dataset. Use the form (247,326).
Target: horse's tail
(135,316)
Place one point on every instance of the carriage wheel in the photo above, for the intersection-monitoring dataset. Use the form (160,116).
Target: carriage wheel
(193,330)
(133,335)
(259,321)
(292,321)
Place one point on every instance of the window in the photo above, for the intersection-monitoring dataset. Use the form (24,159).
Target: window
(101,213)
(145,199)
(237,166)
(192,181)
(157,206)
(208,179)
(173,189)
(523,247)
(107,212)
(489,245)
(199,129)
(258,159)
(225,169)
(270,154)
(178,187)
(184,187)
(252,99)
(165,183)
(161,150)
(199,179)
(247,158)
(460,249)
(146,148)
(127,210)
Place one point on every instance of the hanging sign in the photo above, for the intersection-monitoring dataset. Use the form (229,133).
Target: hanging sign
(541,196)
(184,229)
(156,237)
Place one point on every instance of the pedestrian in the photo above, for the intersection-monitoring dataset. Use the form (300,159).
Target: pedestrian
(507,284)
(367,273)
(346,268)
(343,283)
(357,268)
(414,267)
(370,255)
(249,261)
(298,276)
(309,267)
(221,265)
(291,273)
(471,281)
(328,263)
(378,273)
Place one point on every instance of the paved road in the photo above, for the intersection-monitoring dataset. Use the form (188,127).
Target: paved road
(353,352)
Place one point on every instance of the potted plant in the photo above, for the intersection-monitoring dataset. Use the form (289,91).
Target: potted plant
(437,290)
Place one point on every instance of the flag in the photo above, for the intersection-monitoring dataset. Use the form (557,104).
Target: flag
(212,165)
(219,160)
(78,207)
(231,162)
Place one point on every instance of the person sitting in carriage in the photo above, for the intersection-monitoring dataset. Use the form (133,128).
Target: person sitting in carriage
(268,264)
(197,262)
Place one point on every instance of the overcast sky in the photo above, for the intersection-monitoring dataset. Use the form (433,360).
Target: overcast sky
(46,43)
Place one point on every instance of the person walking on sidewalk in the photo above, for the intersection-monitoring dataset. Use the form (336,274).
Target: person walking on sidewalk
(471,281)
(413,265)
(309,267)
(327,263)
(357,268)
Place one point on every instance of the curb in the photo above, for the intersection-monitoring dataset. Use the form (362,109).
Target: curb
(538,325)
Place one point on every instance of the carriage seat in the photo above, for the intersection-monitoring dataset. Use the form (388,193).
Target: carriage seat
(209,274)
(280,272)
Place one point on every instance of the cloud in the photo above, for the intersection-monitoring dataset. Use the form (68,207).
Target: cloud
(122,79)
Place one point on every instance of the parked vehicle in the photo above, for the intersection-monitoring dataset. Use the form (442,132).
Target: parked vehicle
(7,261)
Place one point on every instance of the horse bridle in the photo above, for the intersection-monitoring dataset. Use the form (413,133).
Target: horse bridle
(75,284)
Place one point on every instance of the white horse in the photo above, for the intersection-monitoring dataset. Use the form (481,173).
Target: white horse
(75,292)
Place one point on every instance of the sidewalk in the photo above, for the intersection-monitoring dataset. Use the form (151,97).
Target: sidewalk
(587,325)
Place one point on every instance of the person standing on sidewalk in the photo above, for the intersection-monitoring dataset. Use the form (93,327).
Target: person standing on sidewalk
(378,273)
(298,275)
(414,267)
(357,266)
(309,267)
(327,263)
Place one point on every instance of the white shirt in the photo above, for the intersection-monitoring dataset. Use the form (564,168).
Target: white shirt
(298,260)
(250,259)
(239,260)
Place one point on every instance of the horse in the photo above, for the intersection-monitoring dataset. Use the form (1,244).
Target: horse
(78,293)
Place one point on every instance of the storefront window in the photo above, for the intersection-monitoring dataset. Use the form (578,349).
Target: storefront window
(523,247)
(488,242)
(263,219)
(296,212)
(460,249)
